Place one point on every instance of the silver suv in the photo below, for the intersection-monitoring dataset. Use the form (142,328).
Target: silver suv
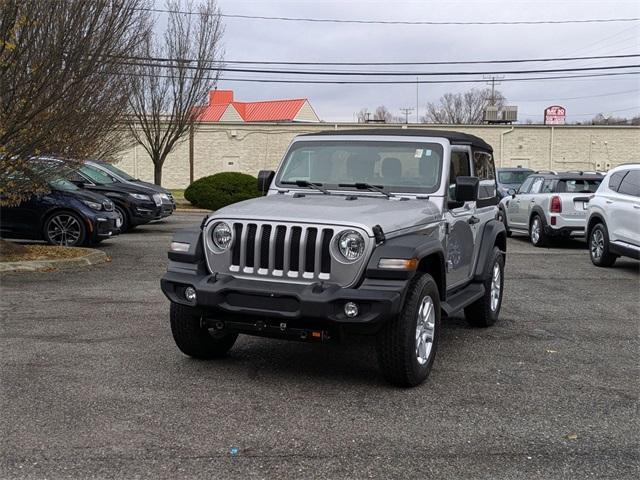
(373,232)
(613,226)
(550,204)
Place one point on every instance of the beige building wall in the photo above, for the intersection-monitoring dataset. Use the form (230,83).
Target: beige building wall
(250,147)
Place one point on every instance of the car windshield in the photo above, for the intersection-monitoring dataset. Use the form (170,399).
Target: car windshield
(95,175)
(117,171)
(412,167)
(578,186)
(513,178)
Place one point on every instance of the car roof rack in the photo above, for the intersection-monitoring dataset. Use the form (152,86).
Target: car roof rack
(552,172)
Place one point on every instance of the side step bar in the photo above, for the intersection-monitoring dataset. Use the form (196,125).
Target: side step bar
(462,298)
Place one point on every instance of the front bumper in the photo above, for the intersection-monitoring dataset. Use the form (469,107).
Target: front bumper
(223,296)
(564,231)
(104,225)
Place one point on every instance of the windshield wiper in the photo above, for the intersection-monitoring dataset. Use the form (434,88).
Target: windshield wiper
(306,183)
(366,186)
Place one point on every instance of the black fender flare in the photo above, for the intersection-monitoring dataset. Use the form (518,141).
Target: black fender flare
(493,234)
(420,245)
(195,254)
(591,221)
(537,210)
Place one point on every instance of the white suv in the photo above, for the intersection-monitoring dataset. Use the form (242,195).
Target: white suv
(613,226)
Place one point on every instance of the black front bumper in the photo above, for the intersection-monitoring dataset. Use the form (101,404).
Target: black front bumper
(224,297)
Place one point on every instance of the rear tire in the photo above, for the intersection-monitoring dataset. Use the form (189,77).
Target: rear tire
(193,338)
(536,232)
(599,246)
(407,344)
(484,311)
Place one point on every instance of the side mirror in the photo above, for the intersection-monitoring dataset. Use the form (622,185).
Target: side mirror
(512,192)
(265,177)
(467,189)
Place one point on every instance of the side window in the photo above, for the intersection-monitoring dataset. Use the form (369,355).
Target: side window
(630,184)
(548,186)
(460,167)
(484,169)
(74,176)
(524,188)
(537,185)
(615,179)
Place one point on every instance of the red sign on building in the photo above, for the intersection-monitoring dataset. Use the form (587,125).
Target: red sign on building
(554,115)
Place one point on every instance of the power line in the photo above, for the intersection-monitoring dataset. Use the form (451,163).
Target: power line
(611,94)
(448,62)
(145,63)
(395,22)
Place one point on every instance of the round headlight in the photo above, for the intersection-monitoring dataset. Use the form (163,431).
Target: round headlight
(221,236)
(351,245)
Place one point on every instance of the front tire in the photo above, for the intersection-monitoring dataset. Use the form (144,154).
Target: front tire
(65,229)
(484,311)
(407,344)
(599,246)
(124,218)
(536,232)
(193,338)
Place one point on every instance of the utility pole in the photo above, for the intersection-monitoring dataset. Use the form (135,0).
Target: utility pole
(492,81)
(417,102)
(406,111)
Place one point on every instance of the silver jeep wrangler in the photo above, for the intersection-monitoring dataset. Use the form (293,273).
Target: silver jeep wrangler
(373,232)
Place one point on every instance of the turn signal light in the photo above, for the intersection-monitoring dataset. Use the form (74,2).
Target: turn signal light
(398,263)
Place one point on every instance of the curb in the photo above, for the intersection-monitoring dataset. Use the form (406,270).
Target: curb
(91,257)
(191,210)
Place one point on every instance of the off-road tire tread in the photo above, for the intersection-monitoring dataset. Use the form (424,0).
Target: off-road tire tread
(192,338)
(395,363)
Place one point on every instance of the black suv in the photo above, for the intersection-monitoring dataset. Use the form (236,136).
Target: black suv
(67,216)
(134,204)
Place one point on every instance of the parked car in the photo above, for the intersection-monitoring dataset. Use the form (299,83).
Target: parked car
(134,204)
(376,232)
(613,225)
(67,216)
(510,179)
(549,204)
(121,176)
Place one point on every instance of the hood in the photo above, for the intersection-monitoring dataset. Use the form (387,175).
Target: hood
(125,188)
(152,186)
(365,211)
(83,194)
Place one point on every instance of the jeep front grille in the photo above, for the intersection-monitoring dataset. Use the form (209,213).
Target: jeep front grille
(289,251)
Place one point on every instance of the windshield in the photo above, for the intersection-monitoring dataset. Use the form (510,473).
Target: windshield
(117,171)
(513,178)
(96,176)
(413,167)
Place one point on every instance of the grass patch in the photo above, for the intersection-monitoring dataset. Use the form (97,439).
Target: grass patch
(178,194)
(42,252)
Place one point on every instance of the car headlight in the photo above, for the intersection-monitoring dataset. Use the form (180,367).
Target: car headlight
(92,205)
(221,236)
(139,196)
(351,245)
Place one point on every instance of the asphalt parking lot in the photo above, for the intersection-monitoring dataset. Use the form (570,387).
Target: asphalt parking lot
(93,386)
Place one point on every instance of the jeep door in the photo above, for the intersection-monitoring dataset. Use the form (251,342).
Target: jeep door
(462,222)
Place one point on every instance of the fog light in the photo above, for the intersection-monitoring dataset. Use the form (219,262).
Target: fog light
(190,294)
(350,309)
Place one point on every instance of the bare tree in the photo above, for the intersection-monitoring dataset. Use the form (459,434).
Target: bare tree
(603,119)
(176,78)
(63,84)
(462,108)
(383,114)
(363,115)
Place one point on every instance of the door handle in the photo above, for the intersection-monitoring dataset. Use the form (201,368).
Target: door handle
(609,202)
(637,206)
(473,220)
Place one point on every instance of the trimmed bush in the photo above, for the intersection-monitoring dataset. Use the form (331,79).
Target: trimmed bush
(222,189)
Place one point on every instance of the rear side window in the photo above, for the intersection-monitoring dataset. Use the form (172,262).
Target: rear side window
(578,186)
(548,186)
(616,178)
(537,185)
(630,184)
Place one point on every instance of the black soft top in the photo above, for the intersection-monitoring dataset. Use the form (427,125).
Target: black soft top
(570,176)
(455,138)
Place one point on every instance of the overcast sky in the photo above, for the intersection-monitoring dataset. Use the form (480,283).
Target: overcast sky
(298,41)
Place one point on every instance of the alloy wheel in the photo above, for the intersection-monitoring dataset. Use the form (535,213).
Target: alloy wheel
(496,287)
(597,243)
(64,229)
(425,330)
(535,230)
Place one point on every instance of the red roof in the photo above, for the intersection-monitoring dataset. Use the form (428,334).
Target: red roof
(266,111)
